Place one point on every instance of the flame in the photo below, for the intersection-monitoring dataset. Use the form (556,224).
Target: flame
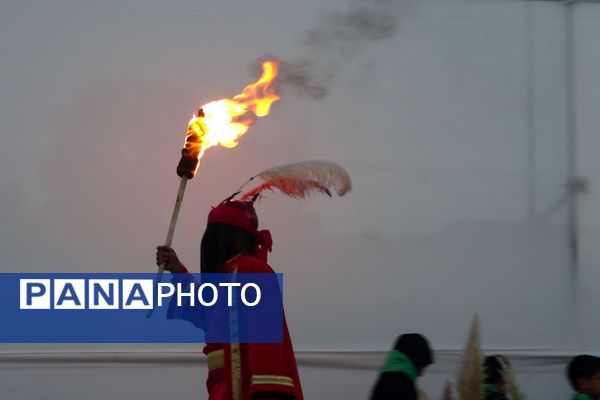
(225,121)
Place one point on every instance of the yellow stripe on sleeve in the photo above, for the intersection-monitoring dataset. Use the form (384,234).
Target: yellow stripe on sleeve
(272,380)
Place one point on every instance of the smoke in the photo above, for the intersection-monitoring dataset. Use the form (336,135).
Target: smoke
(297,75)
(336,39)
(348,32)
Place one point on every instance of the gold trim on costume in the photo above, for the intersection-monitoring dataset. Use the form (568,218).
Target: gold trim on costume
(216,359)
(272,380)
(236,361)
(236,372)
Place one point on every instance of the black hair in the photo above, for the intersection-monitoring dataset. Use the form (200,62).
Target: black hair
(415,347)
(493,369)
(220,243)
(582,366)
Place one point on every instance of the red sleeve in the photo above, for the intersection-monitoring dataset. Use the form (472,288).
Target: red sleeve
(185,270)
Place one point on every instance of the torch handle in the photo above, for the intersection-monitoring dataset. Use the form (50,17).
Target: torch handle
(169,241)
(178,201)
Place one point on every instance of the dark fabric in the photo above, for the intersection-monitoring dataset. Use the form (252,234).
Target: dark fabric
(394,386)
(242,215)
(188,164)
(494,396)
(220,243)
(493,370)
(582,366)
(416,347)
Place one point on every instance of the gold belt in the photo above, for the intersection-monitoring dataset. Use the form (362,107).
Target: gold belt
(216,359)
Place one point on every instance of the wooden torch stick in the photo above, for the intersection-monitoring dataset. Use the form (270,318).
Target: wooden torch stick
(169,240)
(178,201)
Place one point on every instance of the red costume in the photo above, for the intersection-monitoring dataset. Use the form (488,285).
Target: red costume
(239,370)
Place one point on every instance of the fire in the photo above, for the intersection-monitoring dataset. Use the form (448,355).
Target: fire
(225,121)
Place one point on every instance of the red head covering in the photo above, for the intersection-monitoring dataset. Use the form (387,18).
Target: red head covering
(242,214)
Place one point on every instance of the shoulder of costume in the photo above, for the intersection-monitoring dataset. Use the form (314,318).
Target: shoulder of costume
(249,263)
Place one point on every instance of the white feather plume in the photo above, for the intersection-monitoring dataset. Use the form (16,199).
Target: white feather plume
(301,179)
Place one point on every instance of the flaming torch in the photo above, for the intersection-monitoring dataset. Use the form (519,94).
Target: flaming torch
(221,122)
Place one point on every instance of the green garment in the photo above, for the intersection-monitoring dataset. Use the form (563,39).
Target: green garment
(399,362)
(581,396)
(490,388)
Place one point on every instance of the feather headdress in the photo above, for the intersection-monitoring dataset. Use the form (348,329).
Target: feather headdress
(298,180)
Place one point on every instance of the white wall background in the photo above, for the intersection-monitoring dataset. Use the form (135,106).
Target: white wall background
(454,131)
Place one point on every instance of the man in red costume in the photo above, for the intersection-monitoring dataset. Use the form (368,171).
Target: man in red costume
(232,243)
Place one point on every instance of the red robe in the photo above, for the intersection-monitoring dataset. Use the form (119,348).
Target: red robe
(238,370)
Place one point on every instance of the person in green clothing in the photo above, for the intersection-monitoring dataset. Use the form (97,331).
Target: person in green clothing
(495,382)
(405,362)
(584,375)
